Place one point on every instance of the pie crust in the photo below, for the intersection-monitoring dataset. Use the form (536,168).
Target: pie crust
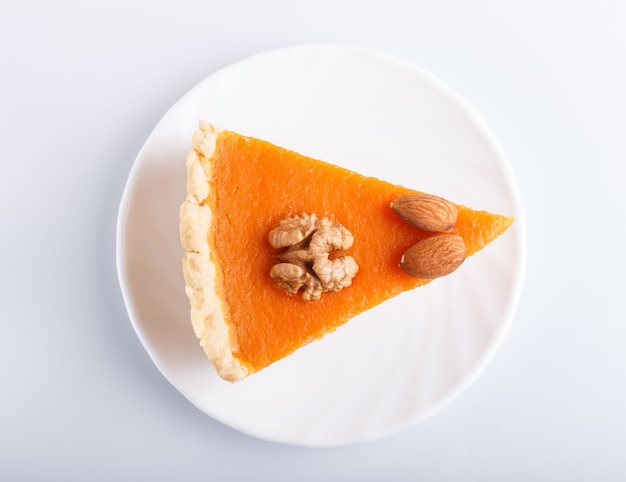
(199,268)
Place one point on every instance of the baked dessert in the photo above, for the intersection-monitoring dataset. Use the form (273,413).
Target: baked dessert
(281,249)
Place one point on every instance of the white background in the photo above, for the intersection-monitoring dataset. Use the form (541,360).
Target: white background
(82,84)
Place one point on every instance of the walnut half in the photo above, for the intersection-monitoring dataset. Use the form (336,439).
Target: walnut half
(305,264)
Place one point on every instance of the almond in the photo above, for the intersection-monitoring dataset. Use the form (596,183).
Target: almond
(434,256)
(425,211)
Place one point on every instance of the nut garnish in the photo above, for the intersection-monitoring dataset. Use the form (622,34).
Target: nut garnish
(434,256)
(426,211)
(305,264)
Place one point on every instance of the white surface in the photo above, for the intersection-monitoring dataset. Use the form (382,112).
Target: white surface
(82,87)
(429,344)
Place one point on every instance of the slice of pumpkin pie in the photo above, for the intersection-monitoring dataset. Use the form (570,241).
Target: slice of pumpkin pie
(281,249)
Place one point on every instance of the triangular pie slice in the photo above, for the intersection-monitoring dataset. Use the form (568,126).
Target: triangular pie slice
(238,190)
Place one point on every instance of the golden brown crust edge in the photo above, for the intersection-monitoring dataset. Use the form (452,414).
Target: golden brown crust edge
(199,268)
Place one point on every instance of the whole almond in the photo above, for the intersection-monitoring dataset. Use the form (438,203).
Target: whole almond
(428,212)
(434,256)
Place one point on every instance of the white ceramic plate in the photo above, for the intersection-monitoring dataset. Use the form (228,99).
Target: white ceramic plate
(391,366)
